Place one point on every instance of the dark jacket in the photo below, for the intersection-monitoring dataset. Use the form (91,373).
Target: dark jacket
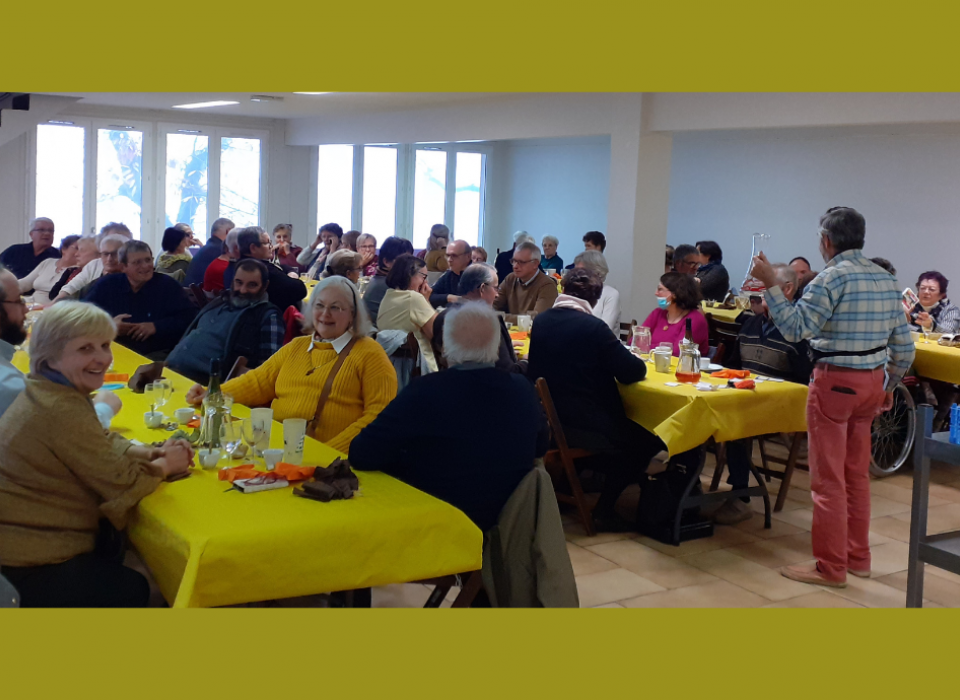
(582,361)
(373,295)
(503,265)
(283,291)
(21,261)
(714,281)
(475,462)
(449,283)
(210,251)
(160,301)
(762,349)
(507,361)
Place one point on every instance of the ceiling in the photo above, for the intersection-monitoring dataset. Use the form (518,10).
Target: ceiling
(292,105)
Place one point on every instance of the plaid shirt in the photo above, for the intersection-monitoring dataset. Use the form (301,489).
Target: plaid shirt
(851,306)
(271,335)
(946,317)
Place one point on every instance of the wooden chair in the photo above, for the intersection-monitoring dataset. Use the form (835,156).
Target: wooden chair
(561,461)
(723,336)
(786,476)
(626,329)
(470,585)
(198,295)
(239,368)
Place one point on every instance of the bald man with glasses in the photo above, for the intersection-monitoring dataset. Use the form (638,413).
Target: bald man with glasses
(526,291)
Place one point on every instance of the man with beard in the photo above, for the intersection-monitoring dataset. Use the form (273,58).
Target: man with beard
(13,312)
(242,322)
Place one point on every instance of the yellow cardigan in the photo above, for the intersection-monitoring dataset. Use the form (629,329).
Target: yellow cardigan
(364,386)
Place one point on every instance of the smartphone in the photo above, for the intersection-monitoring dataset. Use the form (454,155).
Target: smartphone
(910,299)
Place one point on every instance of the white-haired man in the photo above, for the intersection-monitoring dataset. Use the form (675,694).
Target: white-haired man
(22,258)
(526,291)
(502,263)
(501,427)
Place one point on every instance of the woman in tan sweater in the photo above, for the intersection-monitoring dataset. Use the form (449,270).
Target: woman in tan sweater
(66,486)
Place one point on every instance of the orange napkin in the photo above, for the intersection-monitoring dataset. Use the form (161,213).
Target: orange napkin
(745,384)
(519,335)
(111,377)
(195,423)
(731,374)
(283,470)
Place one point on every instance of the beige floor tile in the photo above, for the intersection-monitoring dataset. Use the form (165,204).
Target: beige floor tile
(948,575)
(890,527)
(586,562)
(935,589)
(756,504)
(888,558)
(777,552)
(609,605)
(946,492)
(881,487)
(612,586)
(401,595)
(870,593)
(576,534)
(940,519)
(663,570)
(941,473)
(778,528)
(722,537)
(747,574)
(903,480)
(716,594)
(820,599)
(880,506)
(801,518)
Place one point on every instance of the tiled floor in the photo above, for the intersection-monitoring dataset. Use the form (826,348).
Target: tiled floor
(738,566)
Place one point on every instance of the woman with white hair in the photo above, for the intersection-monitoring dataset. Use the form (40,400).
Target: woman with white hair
(367,247)
(608,308)
(57,485)
(293,380)
(551,262)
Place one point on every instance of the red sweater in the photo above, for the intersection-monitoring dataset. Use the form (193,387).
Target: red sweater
(213,277)
(663,332)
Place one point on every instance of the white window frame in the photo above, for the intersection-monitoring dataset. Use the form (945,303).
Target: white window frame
(147,176)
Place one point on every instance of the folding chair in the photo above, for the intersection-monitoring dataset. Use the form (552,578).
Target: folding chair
(626,329)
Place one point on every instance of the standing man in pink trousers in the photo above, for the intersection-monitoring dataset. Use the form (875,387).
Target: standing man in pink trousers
(861,346)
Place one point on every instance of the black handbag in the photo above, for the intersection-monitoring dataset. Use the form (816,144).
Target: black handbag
(660,497)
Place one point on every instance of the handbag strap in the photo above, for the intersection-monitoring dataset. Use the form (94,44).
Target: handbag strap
(328,386)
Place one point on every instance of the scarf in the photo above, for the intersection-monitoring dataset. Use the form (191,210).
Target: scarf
(934,312)
(565,301)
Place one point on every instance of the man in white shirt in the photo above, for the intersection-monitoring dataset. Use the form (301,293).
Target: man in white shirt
(107,264)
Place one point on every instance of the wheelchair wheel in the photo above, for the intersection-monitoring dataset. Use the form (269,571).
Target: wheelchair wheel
(893,434)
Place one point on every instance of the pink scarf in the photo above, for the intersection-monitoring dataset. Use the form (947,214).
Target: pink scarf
(565,301)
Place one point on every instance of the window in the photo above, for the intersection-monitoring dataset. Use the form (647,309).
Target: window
(186,181)
(379,191)
(240,180)
(429,193)
(335,186)
(467,202)
(60,177)
(119,177)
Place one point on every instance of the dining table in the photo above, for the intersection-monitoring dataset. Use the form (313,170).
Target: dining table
(208,544)
(935,361)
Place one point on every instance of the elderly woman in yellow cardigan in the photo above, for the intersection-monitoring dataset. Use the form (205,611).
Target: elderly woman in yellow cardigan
(292,380)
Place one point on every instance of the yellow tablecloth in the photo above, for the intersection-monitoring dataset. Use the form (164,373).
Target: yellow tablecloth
(207,547)
(935,361)
(729,315)
(684,418)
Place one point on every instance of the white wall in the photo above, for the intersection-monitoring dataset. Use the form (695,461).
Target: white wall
(725,187)
(549,186)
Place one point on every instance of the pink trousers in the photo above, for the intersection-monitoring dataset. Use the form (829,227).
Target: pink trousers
(840,410)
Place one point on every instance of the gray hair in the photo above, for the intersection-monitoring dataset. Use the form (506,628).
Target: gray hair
(531,247)
(471,333)
(593,260)
(365,236)
(845,228)
(230,243)
(786,275)
(521,236)
(113,229)
(133,247)
(34,222)
(110,238)
(221,224)
(62,323)
(342,262)
(475,276)
(551,239)
(361,321)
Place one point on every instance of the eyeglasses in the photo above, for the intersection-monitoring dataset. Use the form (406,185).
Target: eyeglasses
(925,288)
(514,261)
(18,302)
(114,254)
(335,309)
(423,274)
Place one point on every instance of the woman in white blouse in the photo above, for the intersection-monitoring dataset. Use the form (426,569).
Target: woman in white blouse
(48,273)
(405,306)
(608,308)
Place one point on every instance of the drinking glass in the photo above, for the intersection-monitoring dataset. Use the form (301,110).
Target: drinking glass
(150,391)
(253,432)
(164,389)
(641,339)
(230,435)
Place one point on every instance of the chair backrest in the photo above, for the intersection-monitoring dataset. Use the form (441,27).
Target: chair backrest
(723,336)
(198,295)
(626,329)
(553,420)
(239,367)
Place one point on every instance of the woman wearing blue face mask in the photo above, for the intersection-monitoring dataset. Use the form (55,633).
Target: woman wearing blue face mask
(678,298)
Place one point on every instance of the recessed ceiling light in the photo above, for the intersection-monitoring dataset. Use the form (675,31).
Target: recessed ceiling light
(265,98)
(312,93)
(204,105)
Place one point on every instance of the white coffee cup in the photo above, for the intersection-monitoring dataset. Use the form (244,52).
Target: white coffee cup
(704,364)
(294,430)
(208,457)
(271,457)
(153,419)
(183,415)
(263,418)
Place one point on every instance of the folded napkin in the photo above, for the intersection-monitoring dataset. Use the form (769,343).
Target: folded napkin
(742,384)
(731,374)
(283,471)
(332,483)
(519,335)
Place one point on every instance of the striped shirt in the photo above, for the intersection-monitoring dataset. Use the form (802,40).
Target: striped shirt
(945,316)
(852,306)
(271,335)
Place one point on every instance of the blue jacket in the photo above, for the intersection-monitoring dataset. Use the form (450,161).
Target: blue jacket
(211,250)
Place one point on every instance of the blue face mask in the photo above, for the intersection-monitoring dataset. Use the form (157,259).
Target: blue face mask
(663,303)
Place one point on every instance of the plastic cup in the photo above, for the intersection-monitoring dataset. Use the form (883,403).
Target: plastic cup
(524,323)
(271,458)
(294,430)
(263,419)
